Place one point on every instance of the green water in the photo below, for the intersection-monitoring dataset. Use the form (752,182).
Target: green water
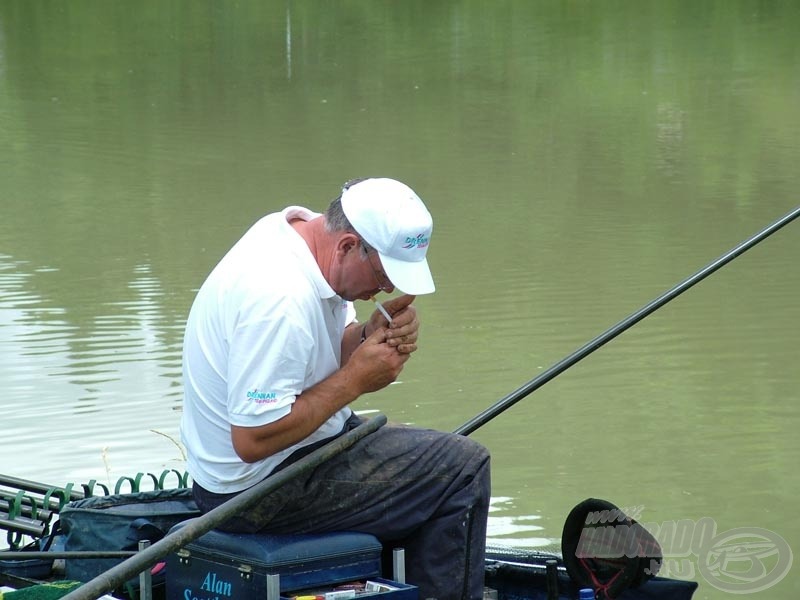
(579,158)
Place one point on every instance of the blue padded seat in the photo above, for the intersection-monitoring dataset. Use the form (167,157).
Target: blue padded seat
(302,561)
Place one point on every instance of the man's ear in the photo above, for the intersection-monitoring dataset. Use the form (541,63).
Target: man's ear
(347,243)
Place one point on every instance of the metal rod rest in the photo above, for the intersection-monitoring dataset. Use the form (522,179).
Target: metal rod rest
(34,486)
(65,554)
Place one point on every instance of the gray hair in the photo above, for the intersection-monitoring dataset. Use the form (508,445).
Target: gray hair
(336,220)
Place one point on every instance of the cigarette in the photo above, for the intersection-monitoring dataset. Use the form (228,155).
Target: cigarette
(383,310)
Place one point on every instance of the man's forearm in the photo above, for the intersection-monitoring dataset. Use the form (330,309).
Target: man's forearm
(309,411)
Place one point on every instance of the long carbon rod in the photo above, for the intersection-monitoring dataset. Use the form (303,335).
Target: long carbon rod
(605,337)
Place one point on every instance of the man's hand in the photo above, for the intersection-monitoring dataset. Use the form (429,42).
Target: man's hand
(375,364)
(403,330)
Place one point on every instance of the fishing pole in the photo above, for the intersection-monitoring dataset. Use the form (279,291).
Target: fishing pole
(608,335)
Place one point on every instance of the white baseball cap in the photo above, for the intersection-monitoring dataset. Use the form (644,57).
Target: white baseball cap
(393,220)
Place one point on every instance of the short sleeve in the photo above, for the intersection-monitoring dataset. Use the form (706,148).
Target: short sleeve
(269,360)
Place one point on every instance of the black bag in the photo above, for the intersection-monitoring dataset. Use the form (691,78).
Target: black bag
(606,550)
(119,522)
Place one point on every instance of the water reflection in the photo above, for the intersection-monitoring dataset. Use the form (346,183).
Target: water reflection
(119,369)
(288,40)
(507,528)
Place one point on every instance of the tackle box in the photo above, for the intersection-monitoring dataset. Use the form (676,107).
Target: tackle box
(220,565)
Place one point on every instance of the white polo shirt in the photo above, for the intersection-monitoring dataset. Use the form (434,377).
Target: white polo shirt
(264,326)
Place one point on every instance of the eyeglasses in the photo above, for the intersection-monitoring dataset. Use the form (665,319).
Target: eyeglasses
(383,282)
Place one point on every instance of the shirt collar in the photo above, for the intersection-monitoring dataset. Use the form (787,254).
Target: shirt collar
(299,247)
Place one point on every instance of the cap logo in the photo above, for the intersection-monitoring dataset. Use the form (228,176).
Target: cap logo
(421,241)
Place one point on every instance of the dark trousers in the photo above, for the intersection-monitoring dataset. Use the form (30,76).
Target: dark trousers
(423,490)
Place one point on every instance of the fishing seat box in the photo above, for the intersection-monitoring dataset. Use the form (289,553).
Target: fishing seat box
(239,566)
